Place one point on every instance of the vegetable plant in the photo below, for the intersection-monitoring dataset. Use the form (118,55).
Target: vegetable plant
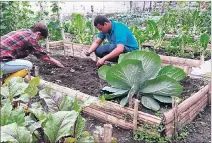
(140,73)
(55,118)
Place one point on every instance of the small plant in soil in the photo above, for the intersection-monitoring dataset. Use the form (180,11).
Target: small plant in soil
(140,73)
(32,115)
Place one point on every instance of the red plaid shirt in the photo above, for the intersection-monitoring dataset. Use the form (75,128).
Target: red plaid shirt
(19,44)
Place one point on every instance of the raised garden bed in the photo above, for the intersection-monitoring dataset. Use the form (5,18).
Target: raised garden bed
(77,69)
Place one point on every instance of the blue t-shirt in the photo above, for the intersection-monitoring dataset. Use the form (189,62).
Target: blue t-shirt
(120,34)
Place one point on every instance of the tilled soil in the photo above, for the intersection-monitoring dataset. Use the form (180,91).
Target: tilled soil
(81,74)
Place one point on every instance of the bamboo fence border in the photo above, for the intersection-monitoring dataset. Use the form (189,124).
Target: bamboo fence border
(173,120)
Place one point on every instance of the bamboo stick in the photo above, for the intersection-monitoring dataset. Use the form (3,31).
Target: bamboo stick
(186,69)
(106,117)
(175,117)
(180,61)
(135,119)
(143,117)
(193,107)
(55,43)
(169,115)
(183,117)
(107,133)
(193,111)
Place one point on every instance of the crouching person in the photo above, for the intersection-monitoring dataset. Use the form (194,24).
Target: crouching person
(121,40)
(19,44)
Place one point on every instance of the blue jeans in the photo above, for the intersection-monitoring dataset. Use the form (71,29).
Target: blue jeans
(103,50)
(15,65)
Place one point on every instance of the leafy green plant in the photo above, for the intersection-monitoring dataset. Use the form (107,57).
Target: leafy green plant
(140,73)
(12,17)
(56,118)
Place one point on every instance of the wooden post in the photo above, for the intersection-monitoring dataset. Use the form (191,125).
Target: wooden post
(209,93)
(135,118)
(107,133)
(93,28)
(36,71)
(175,107)
(96,137)
(144,6)
(202,59)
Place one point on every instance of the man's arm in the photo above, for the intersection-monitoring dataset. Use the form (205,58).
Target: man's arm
(94,45)
(52,61)
(115,53)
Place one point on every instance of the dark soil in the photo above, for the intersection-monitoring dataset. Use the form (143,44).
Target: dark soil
(81,74)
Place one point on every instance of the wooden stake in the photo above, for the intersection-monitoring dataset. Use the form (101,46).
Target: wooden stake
(96,137)
(209,93)
(107,133)
(135,119)
(36,71)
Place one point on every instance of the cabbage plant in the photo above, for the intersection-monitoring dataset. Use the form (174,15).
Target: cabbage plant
(140,73)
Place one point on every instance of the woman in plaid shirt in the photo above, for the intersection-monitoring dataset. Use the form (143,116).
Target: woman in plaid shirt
(19,44)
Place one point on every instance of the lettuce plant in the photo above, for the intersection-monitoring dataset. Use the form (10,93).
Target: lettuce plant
(140,73)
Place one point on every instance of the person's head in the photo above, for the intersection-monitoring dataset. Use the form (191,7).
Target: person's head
(40,29)
(102,23)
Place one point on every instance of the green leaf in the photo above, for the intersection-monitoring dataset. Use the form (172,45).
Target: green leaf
(31,124)
(126,74)
(163,85)
(204,40)
(80,126)
(173,72)
(13,88)
(164,99)
(32,89)
(5,113)
(150,103)
(151,62)
(116,92)
(24,97)
(102,71)
(38,111)
(88,139)
(55,100)
(70,140)
(59,124)
(15,133)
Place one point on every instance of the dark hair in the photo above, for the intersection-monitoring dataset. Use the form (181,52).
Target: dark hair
(99,19)
(40,27)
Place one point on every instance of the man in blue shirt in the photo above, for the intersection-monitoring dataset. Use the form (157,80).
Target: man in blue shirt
(121,40)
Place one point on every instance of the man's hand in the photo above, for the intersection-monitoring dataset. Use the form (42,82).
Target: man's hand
(60,65)
(100,62)
(87,53)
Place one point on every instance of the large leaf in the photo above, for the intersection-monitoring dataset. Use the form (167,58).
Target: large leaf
(150,103)
(9,116)
(32,89)
(102,71)
(38,111)
(14,87)
(31,124)
(80,126)
(163,99)
(15,133)
(59,124)
(126,74)
(56,101)
(172,72)
(151,62)
(5,113)
(163,85)
(115,92)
